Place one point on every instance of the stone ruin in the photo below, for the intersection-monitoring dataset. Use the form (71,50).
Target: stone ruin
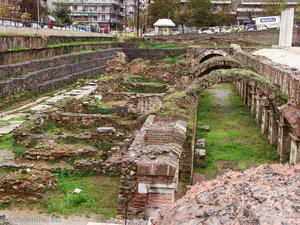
(151,184)
(268,194)
(25,186)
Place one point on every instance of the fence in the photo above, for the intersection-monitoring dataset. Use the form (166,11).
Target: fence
(9,22)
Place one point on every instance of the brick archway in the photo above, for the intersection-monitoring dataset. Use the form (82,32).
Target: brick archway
(214,63)
(236,75)
(210,54)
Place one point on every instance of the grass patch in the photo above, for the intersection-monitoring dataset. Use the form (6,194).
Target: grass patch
(234,134)
(144,88)
(145,45)
(3,206)
(99,195)
(18,48)
(7,143)
(173,59)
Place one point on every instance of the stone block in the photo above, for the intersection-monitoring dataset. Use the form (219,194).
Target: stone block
(200,143)
(204,128)
(200,153)
(106,130)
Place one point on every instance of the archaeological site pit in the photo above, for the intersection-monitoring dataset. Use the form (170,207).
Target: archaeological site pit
(165,130)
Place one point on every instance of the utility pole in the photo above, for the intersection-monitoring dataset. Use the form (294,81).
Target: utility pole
(138,18)
(38,12)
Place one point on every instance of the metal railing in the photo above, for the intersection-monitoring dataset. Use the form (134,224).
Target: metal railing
(9,22)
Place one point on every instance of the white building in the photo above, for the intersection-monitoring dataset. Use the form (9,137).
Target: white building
(96,13)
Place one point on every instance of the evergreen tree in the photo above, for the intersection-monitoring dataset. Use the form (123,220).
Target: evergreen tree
(62,13)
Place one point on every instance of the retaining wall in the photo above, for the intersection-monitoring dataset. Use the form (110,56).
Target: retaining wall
(61,71)
(265,37)
(152,54)
(15,70)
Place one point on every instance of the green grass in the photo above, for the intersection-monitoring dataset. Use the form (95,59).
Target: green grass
(173,59)
(7,143)
(99,195)
(234,134)
(145,45)
(142,80)
(18,48)
(3,206)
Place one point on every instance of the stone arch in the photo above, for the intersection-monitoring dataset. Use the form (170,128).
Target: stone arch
(236,75)
(214,63)
(209,54)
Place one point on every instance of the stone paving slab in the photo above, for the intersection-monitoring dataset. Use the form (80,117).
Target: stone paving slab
(40,108)
(6,156)
(16,115)
(10,126)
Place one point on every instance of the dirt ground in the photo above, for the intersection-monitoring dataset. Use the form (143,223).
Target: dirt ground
(34,217)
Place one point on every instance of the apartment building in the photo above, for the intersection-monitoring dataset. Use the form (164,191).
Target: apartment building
(96,13)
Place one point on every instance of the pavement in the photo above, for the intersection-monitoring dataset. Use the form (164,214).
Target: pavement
(286,56)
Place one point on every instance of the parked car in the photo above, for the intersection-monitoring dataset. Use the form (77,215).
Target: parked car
(175,32)
(150,34)
(209,31)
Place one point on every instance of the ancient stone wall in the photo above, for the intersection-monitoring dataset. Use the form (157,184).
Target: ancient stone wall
(27,186)
(286,78)
(152,54)
(15,70)
(265,37)
(12,57)
(57,74)
(157,168)
(84,120)
(137,102)
(8,42)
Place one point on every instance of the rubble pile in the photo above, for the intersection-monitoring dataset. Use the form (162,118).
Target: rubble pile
(268,194)
(25,185)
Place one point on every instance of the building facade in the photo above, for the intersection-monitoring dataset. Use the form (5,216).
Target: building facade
(96,13)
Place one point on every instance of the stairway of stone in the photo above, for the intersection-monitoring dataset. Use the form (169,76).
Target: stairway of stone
(54,76)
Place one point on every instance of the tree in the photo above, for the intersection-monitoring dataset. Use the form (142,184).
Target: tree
(30,7)
(191,12)
(62,13)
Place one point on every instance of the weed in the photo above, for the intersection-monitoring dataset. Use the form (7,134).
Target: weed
(3,206)
(234,134)
(7,142)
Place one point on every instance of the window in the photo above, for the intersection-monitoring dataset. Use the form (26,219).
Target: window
(103,8)
(103,18)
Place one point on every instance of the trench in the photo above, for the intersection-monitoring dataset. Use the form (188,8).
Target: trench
(234,140)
